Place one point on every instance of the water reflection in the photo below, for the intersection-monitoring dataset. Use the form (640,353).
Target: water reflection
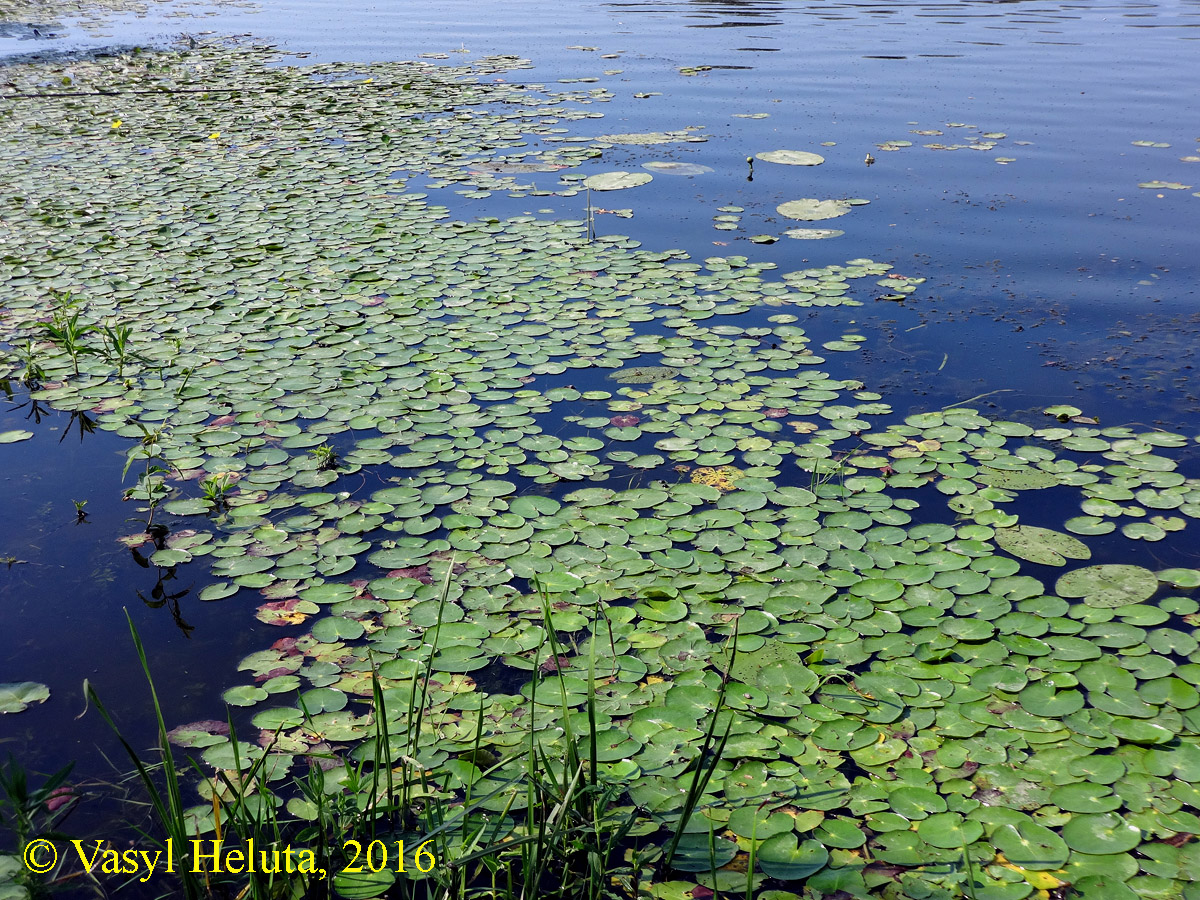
(80,422)
(162,595)
(1020,14)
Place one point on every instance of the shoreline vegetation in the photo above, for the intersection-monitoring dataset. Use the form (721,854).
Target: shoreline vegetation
(646,602)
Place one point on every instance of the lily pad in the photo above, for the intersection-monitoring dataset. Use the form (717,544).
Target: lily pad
(17,696)
(617,181)
(813,234)
(1101,833)
(677,168)
(1109,585)
(1041,545)
(813,210)
(783,856)
(644,374)
(1029,845)
(791,157)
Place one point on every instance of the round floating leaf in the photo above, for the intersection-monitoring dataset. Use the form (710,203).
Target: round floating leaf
(323,699)
(191,506)
(558,582)
(967,629)
(168,557)
(244,695)
(17,696)
(699,852)
(1101,833)
(337,628)
(782,856)
(329,593)
(1016,480)
(1031,846)
(1143,531)
(12,437)
(1180,578)
(813,234)
(1042,699)
(916,802)
(617,181)
(949,831)
(242,565)
(1089,525)
(791,157)
(218,591)
(760,823)
(644,374)
(199,734)
(1103,887)
(840,833)
(1108,585)
(1041,545)
(677,168)
(813,210)
(1082,797)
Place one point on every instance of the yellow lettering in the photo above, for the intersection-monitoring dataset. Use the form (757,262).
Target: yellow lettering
(232,858)
(87,863)
(151,864)
(308,862)
(198,855)
(112,863)
(131,862)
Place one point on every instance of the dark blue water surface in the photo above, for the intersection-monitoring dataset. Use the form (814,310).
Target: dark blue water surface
(1052,279)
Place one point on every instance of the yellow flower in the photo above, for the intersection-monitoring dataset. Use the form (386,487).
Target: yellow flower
(116,123)
(214,135)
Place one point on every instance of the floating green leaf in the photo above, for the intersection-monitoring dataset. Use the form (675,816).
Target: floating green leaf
(811,210)
(791,158)
(1041,545)
(17,696)
(677,168)
(617,181)
(783,856)
(1108,585)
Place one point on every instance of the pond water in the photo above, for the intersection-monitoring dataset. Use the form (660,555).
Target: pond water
(1050,233)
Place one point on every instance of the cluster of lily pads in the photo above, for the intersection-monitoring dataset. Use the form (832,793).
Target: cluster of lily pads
(97,15)
(1158,184)
(713,522)
(985,141)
